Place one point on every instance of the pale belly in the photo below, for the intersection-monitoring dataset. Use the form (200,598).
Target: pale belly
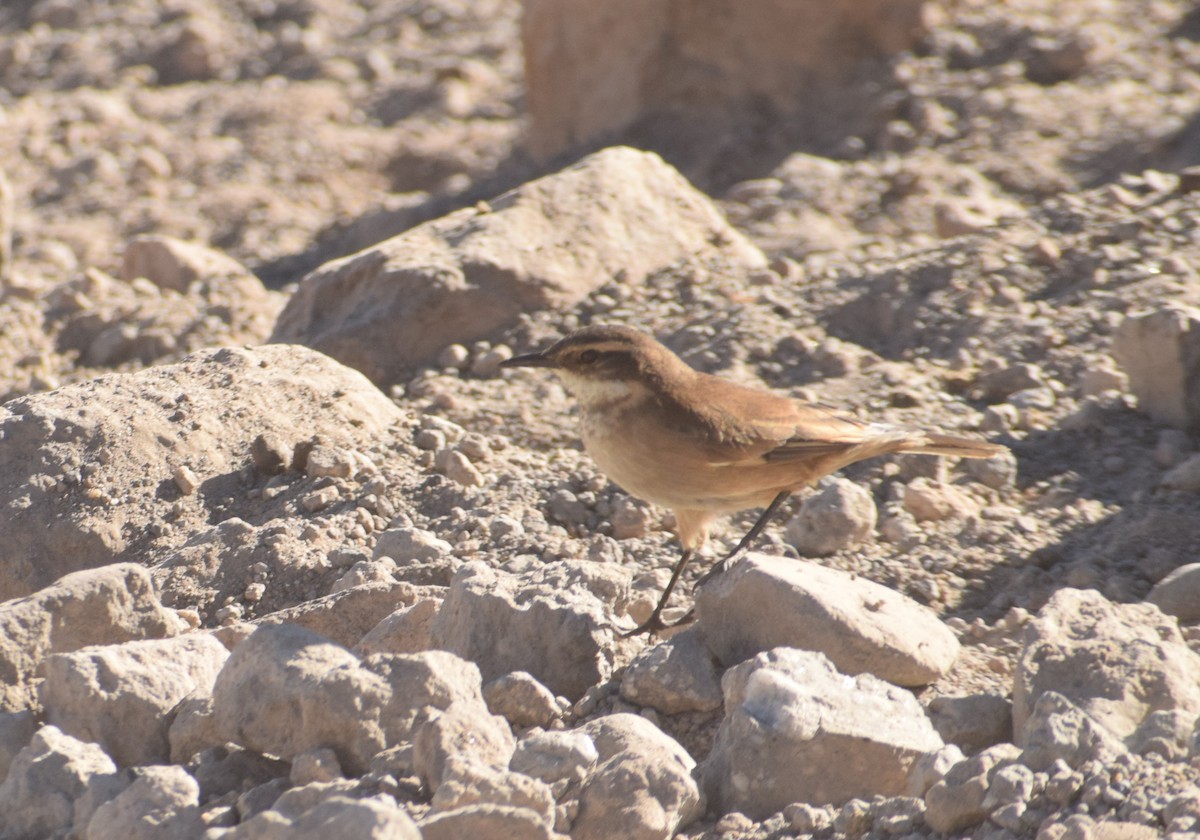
(663,476)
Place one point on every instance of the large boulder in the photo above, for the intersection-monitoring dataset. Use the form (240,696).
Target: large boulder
(1119,663)
(797,730)
(594,70)
(619,213)
(128,466)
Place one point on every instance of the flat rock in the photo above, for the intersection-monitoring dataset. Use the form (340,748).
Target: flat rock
(119,696)
(112,604)
(554,622)
(1117,662)
(87,471)
(1160,352)
(766,602)
(797,730)
(396,305)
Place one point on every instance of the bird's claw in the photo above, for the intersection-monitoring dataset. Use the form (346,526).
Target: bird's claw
(655,623)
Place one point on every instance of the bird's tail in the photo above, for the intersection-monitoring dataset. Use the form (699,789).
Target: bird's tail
(935,443)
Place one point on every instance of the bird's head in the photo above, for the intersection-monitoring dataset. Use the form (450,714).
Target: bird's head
(599,364)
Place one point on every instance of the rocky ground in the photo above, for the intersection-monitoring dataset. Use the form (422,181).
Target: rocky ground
(256,590)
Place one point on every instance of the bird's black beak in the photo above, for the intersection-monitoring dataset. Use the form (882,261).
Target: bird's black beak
(529,360)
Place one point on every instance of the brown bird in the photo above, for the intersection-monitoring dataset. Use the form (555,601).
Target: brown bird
(703,446)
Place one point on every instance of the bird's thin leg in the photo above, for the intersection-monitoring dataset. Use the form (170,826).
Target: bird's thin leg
(654,622)
(751,535)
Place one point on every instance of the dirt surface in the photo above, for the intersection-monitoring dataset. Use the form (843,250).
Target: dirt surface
(981,239)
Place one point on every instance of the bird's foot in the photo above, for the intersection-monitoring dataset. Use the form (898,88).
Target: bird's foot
(655,623)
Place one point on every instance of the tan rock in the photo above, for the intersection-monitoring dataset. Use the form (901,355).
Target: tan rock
(119,696)
(122,436)
(1160,352)
(689,62)
(765,602)
(642,788)
(1116,662)
(174,264)
(108,605)
(554,622)
(617,213)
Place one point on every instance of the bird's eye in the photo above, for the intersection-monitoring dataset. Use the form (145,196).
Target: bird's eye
(589,356)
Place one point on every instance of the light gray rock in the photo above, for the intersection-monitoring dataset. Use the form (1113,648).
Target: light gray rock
(16,731)
(1057,729)
(1178,594)
(555,756)
(766,602)
(163,803)
(642,788)
(407,630)
(109,605)
(1160,352)
(548,243)
(674,676)
(487,821)
(50,782)
(521,700)
(119,696)
(466,782)
(841,515)
(1117,662)
(796,730)
(286,690)
(554,622)
(463,731)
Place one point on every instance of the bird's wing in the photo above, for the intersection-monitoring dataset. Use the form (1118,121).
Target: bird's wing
(754,425)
